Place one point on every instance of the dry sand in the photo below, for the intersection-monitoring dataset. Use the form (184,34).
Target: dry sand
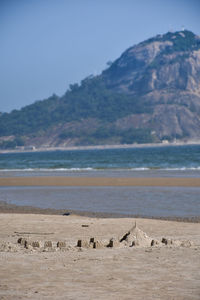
(97,181)
(160,272)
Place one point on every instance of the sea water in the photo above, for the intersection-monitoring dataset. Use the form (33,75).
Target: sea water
(175,161)
(148,158)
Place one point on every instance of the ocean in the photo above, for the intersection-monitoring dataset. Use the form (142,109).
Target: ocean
(147,158)
(169,161)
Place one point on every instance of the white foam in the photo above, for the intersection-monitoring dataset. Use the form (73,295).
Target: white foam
(47,170)
(140,169)
(102,169)
(183,169)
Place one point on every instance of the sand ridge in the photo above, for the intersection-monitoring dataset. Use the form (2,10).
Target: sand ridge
(98,181)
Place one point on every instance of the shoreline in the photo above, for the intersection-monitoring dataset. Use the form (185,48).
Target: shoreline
(6,208)
(100,147)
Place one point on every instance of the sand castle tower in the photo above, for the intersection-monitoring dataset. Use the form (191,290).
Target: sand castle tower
(136,237)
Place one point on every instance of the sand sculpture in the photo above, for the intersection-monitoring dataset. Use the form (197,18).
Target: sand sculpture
(134,237)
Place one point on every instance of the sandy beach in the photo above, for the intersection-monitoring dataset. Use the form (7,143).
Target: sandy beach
(98,181)
(120,272)
(47,255)
(101,147)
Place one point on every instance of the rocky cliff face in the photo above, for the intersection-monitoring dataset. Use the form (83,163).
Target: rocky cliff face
(163,72)
(170,61)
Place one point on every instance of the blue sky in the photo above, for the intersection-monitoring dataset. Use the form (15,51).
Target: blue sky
(48,44)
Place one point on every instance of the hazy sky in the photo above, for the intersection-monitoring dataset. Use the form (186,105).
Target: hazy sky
(47,44)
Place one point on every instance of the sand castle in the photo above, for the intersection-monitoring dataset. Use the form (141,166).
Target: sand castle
(152,258)
(134,237)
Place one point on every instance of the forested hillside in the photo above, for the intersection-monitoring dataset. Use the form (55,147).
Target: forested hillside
(150,93)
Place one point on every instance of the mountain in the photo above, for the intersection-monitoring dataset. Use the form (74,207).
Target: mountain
(149,94)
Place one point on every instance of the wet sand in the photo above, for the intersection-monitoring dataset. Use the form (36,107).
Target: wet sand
(161,272)
(98,181)
(8,208)
(90,202)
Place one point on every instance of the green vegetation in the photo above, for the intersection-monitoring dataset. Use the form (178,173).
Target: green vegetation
(29,119)
(90,99)
(182,41)
(139,136)
(185,41)
(110,132)
(10,144)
